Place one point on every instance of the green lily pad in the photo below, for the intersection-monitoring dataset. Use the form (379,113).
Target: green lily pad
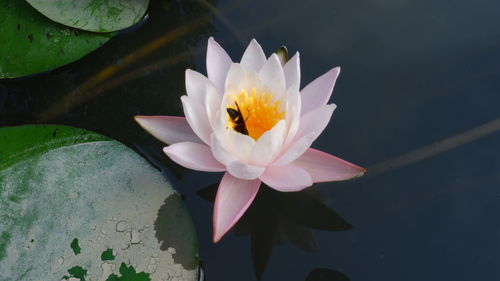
(63,188)
(93,15)
(31,43)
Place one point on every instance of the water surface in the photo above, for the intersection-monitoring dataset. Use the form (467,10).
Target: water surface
(417,105)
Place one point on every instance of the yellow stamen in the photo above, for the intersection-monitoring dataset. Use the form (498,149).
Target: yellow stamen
(260,112)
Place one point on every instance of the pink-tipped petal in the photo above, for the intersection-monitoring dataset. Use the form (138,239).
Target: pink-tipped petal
(244,171)
(272,75)
(196,116)
(296,149)
(318,92)
(292,71)
(325,167)
(292,114)
(254,58)
(286,178)
(218,62)
(316,121)
(168,129)
(196,84)
(234,196)
(194,156)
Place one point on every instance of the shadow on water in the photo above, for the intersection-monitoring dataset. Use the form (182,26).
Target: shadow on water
(326,274)
(182,236)
(275,217)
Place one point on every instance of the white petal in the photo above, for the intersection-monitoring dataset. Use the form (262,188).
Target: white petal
(244,171)
(239,79)
(286,178)
(252,80)
(273,76)
(239,145)
(325,167)
(219,152)
(168,129)
(292,71)
(220,123)
(318,92)
(254,58)
(197,118)
(269,145)
(194,156)
(292,114)
(212,103)
(296,149)
(218,63)
(234,196)
(235,76)
(196,85)
(316,120)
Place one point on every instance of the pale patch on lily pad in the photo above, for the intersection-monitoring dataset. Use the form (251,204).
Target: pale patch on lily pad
(102,194)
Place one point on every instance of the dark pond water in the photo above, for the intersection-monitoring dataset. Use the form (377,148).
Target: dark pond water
(418,105)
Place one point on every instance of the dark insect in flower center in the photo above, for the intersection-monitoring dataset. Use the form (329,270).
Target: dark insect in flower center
(237,119)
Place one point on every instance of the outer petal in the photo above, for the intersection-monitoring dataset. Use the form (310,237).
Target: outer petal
(197,118)
(316,120)
(194,156)
(168,129)
(292,113)
(218,62)
(325,167)
(287,178)
(254,58)
(292,71)
(311,126)
(244,171)
(318,92)
(296,149)
(234,196)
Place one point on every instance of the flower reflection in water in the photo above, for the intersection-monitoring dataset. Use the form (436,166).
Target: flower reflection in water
(276,217)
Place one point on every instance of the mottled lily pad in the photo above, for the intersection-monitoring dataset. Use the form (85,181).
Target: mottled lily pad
(93,15)
(75,205)
(31,43)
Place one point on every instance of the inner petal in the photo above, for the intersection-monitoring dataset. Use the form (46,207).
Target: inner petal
(253,113)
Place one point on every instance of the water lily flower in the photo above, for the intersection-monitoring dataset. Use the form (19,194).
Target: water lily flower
(251,120)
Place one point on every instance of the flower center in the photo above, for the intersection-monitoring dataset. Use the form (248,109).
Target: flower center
(253,114)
